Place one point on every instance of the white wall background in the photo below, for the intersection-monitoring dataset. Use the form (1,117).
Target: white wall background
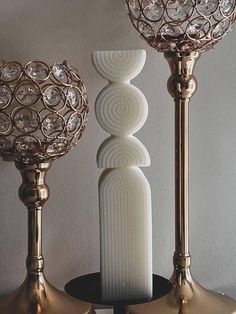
(54,30)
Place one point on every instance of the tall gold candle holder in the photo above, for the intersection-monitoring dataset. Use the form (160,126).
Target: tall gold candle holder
(182,29)
(43,113)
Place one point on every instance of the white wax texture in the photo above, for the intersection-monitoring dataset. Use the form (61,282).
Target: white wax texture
(119,65)
(124,192)
(122,152)
(126,245)
(121,109)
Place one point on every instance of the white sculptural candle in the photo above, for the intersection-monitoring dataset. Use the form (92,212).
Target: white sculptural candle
(124,192)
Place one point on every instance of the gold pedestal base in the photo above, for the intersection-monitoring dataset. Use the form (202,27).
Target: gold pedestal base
(37,296)
(188,297)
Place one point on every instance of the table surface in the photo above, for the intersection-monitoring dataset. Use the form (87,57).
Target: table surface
(104,311)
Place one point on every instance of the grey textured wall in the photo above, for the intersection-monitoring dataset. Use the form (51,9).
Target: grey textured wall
(54,30)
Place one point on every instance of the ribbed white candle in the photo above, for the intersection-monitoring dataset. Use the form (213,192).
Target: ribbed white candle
(124,192)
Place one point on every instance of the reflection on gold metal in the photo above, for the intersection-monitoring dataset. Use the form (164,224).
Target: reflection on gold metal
(182,303)
(38,125)
(187,296)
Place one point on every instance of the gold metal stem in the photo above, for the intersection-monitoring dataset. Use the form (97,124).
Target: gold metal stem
(35,241)
(187,296)
(34,192)
(181,178)
(181,85)
(36,295)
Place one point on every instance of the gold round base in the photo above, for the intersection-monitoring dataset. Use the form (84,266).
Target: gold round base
(195,300)
(37,296)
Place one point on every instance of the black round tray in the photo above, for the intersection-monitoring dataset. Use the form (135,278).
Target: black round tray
(88,288)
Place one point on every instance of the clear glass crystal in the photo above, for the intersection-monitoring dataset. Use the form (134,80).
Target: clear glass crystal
(26,120)
(10,72)
(74,97)
(207,7)
(5,123)
(193,29)
(188,46)
(57,147)
(37,70)
(146,30)
(180,10)
(227,6)
(154,10)
(27,144)
(198,28)
(4,145)
(134,8)
(73,123)
(221,28)
(171,30)
(60,73)
(5,96)
(52,124)
(52,96)
(27,93)
(72,68)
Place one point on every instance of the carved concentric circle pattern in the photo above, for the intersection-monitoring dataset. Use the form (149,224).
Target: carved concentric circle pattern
(43,110)
(182,25)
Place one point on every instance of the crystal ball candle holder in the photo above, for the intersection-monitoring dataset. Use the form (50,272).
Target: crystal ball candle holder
(182,25)
(182,29)
(43,113)
(43,110)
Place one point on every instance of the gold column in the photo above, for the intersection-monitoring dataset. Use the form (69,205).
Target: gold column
(187,296)
(34,192)
(36,295)
(181,86)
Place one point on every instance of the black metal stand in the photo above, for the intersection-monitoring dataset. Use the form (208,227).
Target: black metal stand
(88,288)
(119,309)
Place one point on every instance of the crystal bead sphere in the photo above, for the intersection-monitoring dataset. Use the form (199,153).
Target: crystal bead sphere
(43,110)
(182,25)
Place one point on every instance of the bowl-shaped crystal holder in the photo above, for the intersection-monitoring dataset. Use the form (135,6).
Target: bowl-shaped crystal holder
(43,113)
(182,29)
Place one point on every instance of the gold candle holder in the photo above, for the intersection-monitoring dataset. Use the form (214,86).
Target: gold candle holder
(182,30)
(43,113)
